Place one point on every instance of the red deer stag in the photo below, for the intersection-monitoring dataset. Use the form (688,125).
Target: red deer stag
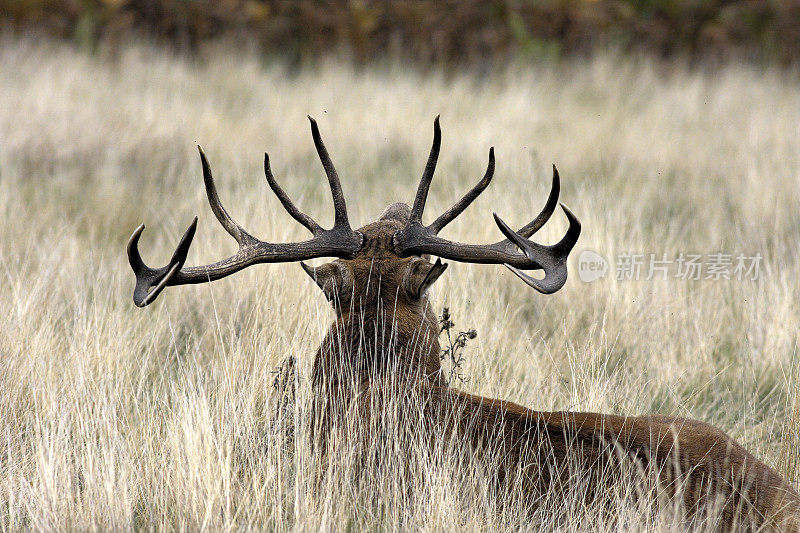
(385,325)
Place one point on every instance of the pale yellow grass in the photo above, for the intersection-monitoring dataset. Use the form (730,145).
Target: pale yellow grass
(114,417)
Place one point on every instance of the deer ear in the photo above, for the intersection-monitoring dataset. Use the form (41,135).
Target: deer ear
(421,275)
(333,278)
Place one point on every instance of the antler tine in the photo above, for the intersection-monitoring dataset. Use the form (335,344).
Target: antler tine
(450,215)
(234,229)
(287,203)
(547,211)
(570,239)
(427,175)
(151,281)
(555,256)
(340,220)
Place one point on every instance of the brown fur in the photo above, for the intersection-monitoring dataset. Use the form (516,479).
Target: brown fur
(385,331)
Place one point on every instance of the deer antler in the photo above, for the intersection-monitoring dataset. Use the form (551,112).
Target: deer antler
(339,241)
(418,239)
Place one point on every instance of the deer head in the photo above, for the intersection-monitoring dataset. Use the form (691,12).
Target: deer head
(382,272)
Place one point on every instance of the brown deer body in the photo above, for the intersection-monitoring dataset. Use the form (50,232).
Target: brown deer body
(385,331)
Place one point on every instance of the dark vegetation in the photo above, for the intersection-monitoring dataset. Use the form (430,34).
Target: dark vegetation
(454,347)
(431,32)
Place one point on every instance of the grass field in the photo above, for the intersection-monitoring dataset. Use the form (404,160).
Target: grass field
(114,417)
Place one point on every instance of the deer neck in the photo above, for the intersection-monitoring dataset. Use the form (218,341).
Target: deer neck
(380,341)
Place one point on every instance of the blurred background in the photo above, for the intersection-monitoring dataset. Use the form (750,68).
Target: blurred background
(675,125)
(431,32)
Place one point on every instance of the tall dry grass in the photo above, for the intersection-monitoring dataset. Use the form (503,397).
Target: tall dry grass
(112,417)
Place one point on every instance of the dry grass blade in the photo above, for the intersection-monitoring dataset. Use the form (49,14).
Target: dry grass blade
(112,418)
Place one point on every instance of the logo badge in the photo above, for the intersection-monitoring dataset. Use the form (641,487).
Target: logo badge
(591,266)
